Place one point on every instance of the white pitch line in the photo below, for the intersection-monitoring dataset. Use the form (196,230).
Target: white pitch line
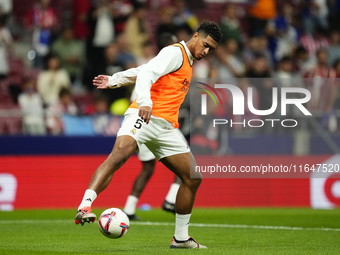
(149,223)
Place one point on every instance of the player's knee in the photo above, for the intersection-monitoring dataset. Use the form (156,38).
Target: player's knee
(194,183)
(119,156)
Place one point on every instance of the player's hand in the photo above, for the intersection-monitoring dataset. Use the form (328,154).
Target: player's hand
(101,82)
(145,113)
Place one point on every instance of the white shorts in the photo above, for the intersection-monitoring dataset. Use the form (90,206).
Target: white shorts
(159,136)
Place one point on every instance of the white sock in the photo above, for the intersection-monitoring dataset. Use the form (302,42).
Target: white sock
(130,205)
(182,227)
(89,196)
(172,193)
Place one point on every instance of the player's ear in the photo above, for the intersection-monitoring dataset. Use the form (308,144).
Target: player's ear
(195,36)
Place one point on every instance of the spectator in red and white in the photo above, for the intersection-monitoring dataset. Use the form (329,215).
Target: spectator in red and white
(322,83)
(314,42)
(333,50)
(42,21)
(122,10)
(55,112)
(52,80)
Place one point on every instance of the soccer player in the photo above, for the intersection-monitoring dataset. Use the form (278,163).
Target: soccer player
(148,161)
(161,86)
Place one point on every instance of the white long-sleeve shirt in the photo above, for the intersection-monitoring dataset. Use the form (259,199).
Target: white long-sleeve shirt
(169,59)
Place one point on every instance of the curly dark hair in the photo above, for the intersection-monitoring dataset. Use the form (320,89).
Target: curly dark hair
(212,29)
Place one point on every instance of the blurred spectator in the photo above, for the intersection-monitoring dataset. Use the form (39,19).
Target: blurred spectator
(109,66)
(336,67)
(322,83)
(166,24)
(42,20)
(183,34)
(284,71)
(286,38)
(166,39)
(183,17)
(80,12)
(333,50)
(230,24)
(334,14)
(314,42)
(32,110)
(6,9)
(55,112)
(229,59)
(104,123)
(111,63)
(102,31)
(219,61)
(315,14)
(5,43)
(261,13)
(122,10)
(232,60)
(148,53)
(70,52)
(124,55)
(302,60)
(261,72)
(256,45)
(51,80)
(137,30)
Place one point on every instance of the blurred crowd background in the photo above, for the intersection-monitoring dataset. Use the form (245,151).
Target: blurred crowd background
(51,50)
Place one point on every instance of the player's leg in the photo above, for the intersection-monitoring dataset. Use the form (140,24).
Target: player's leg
(143,177)
(170,199)
(138,187)
(182,165)
(124,147)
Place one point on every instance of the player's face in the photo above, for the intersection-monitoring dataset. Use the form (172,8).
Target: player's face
(204,45)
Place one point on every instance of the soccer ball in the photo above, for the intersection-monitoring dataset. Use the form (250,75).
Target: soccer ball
(113,223)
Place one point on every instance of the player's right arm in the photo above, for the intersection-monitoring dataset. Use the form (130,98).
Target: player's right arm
(117,80)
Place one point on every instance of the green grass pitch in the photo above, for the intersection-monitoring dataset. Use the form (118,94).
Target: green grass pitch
(224,231)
